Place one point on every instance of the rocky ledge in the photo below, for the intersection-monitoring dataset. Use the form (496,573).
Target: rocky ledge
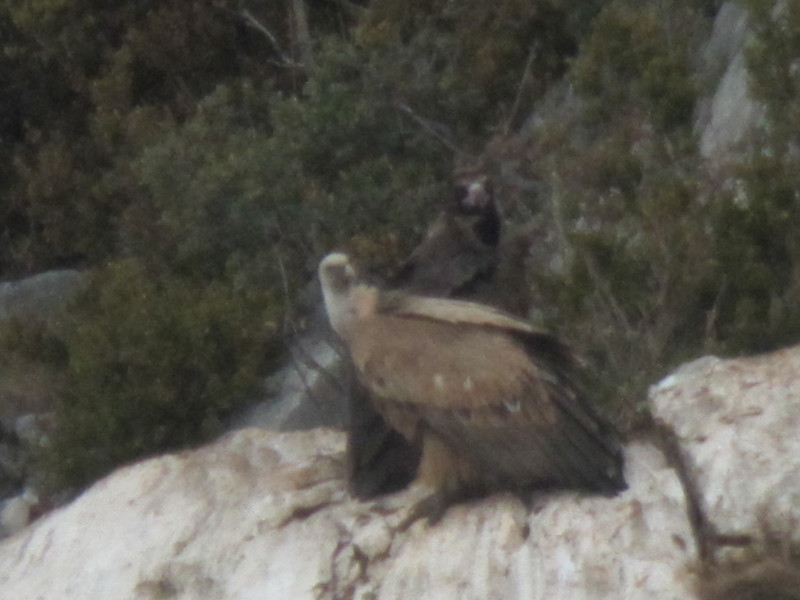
(262,514)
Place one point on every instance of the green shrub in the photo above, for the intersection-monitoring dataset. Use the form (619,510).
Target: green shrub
(637,56)
(662,262)
(154,364)
(625,182)
(757,249)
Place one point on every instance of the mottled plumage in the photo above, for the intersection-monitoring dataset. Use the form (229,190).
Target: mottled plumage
(486,400)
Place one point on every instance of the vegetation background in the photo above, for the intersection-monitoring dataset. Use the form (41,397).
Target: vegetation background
(198,157)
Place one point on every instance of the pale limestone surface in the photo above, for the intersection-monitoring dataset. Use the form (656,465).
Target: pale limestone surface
(738,424)
(264,515)
(204,524)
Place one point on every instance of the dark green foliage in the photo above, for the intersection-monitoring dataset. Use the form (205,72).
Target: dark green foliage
(480,61)
(663,263)
(758,256)
(359,166)
(36,341)
(201,171)
(154,364)
(757,246)
(625,186)
(87,85)
(637,56)
(772,61)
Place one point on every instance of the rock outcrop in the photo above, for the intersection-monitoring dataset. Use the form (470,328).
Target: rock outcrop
(40,295)
(727,115)
(263,514)
(736,422)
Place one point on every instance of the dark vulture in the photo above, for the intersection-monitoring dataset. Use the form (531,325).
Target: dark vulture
(484,400)
(459,250)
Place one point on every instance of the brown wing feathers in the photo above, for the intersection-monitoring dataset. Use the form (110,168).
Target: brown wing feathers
(497,397)
(520,417)
(596,441)
(533,432)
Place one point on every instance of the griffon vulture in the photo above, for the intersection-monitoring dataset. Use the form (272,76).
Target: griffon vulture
(457,257)
(486,400)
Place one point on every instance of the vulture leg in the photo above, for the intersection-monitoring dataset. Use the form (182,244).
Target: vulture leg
(380,460)
(414,503)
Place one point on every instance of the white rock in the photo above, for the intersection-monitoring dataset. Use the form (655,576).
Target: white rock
(737,421)
(15,513)
(264,515)
(638,545)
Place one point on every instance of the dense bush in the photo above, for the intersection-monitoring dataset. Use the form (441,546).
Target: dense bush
(662,262)
(243,196)
(757,244)
(200,158)
(624,194)
(154,364)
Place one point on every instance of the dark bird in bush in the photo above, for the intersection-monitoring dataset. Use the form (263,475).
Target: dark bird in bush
(475,398)
(460,247)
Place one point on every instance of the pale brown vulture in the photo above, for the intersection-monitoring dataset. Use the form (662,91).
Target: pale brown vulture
(457,257)
(486,400)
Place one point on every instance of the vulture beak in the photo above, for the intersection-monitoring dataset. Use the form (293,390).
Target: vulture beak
(473,197)
(477,196)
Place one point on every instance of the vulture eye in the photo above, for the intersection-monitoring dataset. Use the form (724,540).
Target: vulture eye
(345,277)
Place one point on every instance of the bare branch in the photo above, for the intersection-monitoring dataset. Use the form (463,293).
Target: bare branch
(288,318)
(518,98)
(429,126)
(285,59)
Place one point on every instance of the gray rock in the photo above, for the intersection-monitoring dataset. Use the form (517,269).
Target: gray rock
(32,429)
(39,295)
(729,113)
(308,392)
(15,513)
(263,514)
(727,38)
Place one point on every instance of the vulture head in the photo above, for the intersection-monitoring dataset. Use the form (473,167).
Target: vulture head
(474,198)
(345,300)
(338,279)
